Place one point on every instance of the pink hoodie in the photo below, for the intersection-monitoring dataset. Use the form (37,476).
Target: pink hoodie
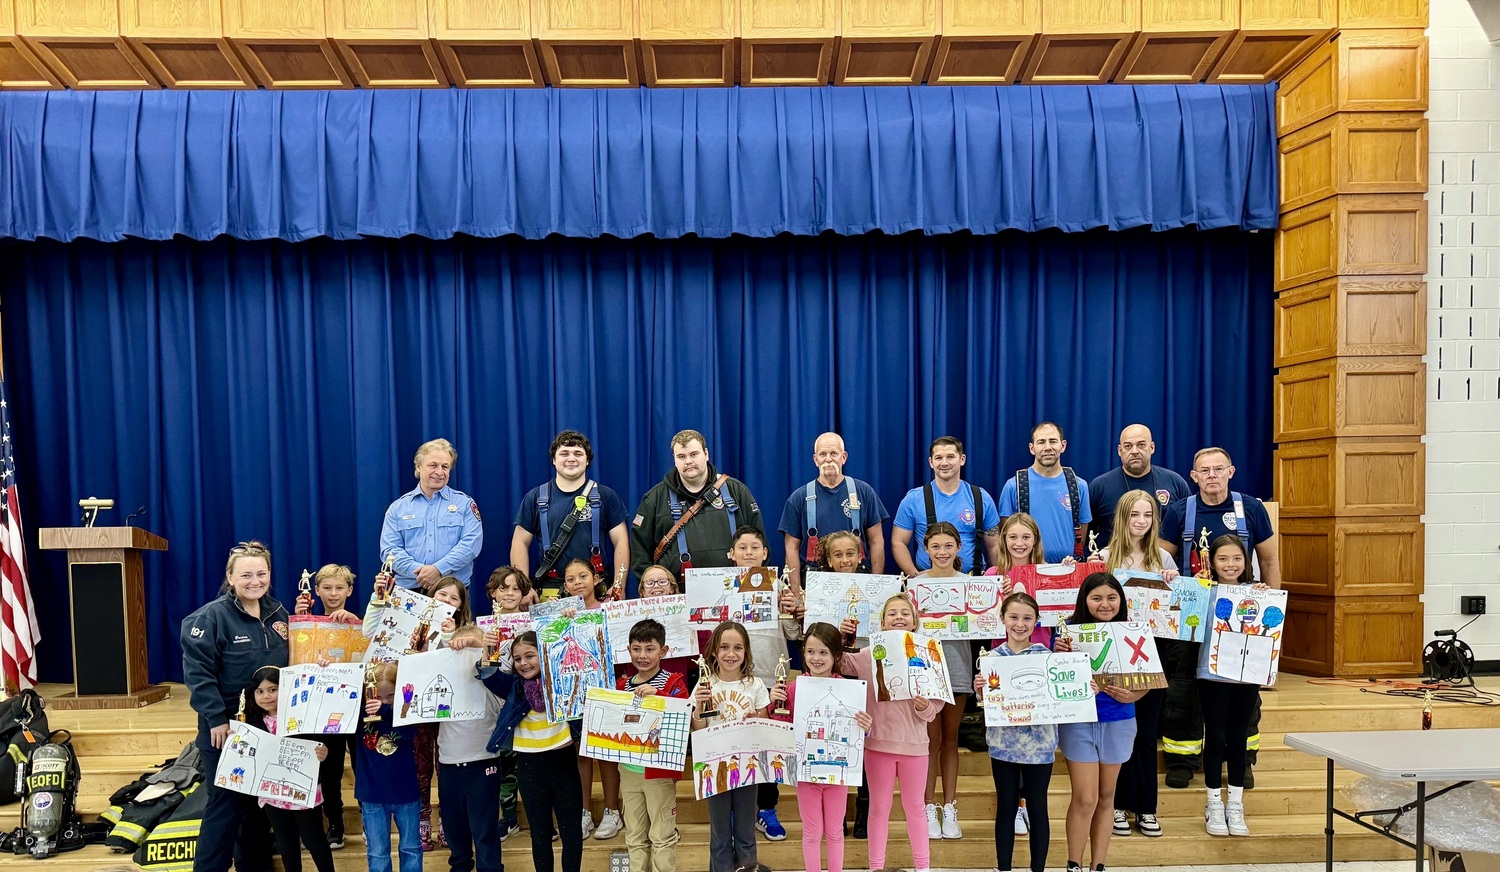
(899,728)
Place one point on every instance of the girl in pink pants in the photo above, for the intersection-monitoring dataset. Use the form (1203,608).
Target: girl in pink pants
(896,750)
(821,806)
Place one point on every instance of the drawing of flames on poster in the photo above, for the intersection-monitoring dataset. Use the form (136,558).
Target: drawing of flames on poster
(908,665)
(742,753)
(315,637)
(575,657)
(1244,642)
(1031,689)
(1053,586)
(830,597)
(830,743)
(409,622)
(1121,653)
(961,607)
(259,764)
(641,730)
(1176,609)
(320,699)
(729,593)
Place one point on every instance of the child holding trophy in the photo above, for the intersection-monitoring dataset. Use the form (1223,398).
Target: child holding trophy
(334,585)
(729,691)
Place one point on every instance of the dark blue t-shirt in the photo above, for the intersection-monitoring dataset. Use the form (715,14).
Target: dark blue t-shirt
(1105,491)
(834,511)
(559,506)
(381,779)
(1218,520)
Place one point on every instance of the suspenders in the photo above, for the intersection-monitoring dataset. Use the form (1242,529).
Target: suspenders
(552,551)
(977,495)
(1190,522)
(730,506)
(810,524)
(1023,499)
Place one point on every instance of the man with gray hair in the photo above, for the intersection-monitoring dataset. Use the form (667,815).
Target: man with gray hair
(831,503)
(433,530)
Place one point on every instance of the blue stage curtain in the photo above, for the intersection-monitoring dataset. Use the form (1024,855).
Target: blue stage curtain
(667,162)
(278,390)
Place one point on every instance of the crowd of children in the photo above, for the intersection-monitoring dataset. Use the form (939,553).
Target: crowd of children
(483,767)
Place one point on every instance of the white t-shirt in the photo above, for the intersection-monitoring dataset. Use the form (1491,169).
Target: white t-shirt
(737,700)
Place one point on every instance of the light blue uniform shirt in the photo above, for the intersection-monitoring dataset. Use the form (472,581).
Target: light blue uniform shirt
(443,531)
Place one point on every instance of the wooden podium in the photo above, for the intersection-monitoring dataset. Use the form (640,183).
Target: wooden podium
(107,602)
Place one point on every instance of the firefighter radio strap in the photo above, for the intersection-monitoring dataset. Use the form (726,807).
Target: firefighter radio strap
(552,549)
(680,518)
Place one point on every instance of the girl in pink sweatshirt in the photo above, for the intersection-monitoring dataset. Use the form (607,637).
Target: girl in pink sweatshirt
(896,748)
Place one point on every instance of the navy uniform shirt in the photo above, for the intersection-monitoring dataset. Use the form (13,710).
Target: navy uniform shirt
(1218,520)
(443,531)
(560,504)
(834,511)
(1166,486)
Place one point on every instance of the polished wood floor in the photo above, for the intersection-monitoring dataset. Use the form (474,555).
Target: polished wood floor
(1285,809)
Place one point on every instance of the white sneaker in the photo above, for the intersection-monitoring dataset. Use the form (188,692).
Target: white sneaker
(934,823)
(1213,819)
(1023,821)
(588,823)
(1122,822)
(950,822)
(1234,818)
(610,824)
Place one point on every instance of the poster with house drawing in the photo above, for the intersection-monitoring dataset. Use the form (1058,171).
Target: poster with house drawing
(316,637)
(742,753)
(961,607)
(1054,586)
(830,742)
(830,597)
(409,622)
(575,657)
(1176,609)
(320,699)
(908,665)
(732,594)
(1244,637)
(641,730)
(670,611)
(509,627)
(437,686)
(1121,653)
(1028,689)
(259,764)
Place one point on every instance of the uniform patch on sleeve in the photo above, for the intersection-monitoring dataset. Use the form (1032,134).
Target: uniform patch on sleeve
(639,519)
(280,627)
(474,507)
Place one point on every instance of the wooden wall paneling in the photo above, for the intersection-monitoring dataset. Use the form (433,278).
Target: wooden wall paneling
(885,42)
(1346,153)
(182,43)
(1076,60)
(1382,71)
(1307,563)
(80,41)
(1383,557)
(990,17)
(979,60)
(1304,402)
(688,44)
(386,44)
(1382,234)
(1365,14)
(1348,477)
(1307,646)
(20,67)
(1092,16)
(1307,244)
(1309,164)
(1181,58)
(587,44)
(1309,91)
(1359,396)
(786,61)
(1289,14)
(284,43)
(1351,317)
(1377,636)
(486,43)
(1256,57)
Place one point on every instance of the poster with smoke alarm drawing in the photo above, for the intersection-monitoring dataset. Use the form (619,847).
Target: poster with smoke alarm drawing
(439,686)
(1244,638)
(740,754)
(747,595)
(1027,689)
(320,699)
(961,607)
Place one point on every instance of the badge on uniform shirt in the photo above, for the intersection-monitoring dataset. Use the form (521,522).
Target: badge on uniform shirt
(639,519)
(453,508)
(1163,496)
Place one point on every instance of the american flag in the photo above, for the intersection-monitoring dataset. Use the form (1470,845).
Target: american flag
(19,632)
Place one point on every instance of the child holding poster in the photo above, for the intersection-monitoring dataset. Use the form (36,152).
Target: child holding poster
(941,541)
(508,588)
(1228,710)
(821,806)
(334,585)
(767,646)
(385,781)
(289,823)
(896,749)
(650,795)
(731,691)
(1095,751)
(580,580)
(1021,756)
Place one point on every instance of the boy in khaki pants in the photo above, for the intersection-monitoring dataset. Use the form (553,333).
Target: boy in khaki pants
(649,796)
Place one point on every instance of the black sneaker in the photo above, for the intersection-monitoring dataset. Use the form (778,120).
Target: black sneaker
(336,835)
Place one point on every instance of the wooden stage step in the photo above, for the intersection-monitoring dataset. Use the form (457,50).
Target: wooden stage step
(1284,809)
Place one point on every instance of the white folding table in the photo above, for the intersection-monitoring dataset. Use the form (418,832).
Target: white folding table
(1403,755)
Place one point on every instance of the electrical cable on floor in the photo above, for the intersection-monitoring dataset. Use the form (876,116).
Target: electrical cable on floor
(1416,690)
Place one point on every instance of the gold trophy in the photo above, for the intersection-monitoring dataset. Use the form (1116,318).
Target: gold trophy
(1093,546)
(781,673)
(983,653)
(304,591)
(617,591)
(492,648)
(371,683)
(708,711)
(382,597)
(1205,566)
(851,638)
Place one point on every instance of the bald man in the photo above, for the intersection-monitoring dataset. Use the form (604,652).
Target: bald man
(829,503)
(1135,472)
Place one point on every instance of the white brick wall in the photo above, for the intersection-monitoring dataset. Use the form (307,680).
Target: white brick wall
(1463,347)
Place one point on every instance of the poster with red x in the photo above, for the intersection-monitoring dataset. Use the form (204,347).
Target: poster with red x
(1121,653)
